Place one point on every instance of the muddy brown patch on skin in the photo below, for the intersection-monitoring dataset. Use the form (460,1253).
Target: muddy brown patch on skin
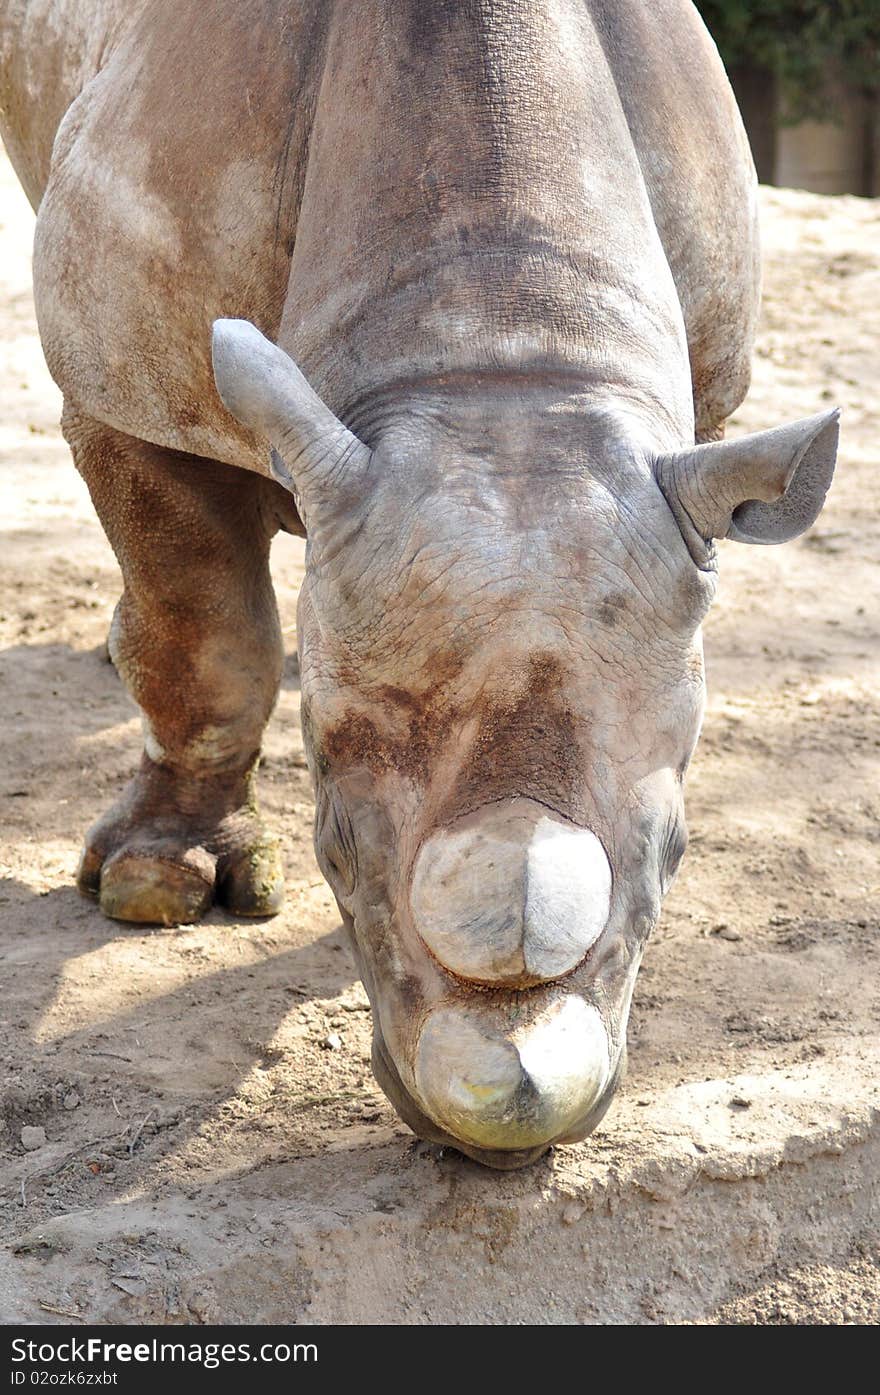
(412,993)
(527,746)
(613,610)
(355,741)
(430,715)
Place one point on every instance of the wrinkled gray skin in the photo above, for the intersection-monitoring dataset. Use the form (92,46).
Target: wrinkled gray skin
(511,246)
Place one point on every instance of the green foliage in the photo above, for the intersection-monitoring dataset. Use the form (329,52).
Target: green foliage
(802,42)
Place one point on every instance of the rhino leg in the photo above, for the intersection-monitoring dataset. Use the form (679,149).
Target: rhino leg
(197,643)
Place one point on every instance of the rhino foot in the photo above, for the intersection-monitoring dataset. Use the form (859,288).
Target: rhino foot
(159,882)
(169,870)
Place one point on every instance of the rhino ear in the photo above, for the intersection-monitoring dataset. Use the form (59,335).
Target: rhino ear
(764,488)
(313,454)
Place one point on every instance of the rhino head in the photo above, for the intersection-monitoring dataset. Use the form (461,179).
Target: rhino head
(502,687)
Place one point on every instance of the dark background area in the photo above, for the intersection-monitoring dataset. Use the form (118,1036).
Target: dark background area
(799,67)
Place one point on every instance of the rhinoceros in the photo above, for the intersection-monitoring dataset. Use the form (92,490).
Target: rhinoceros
(481,279)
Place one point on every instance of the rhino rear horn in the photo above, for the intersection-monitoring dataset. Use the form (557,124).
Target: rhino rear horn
(765,488)
(313,454)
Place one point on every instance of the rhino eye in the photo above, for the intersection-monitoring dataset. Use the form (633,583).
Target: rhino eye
(673,852)
(334,842)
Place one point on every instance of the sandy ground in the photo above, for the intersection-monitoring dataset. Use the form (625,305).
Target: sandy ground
(168,1069)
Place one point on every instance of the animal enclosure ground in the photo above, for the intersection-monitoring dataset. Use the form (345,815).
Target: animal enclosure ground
(174,1101)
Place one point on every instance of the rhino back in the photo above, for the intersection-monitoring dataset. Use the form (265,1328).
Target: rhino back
(474,202)
(394,191)
(520,184)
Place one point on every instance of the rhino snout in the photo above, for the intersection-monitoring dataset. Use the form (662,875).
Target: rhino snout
(511,895)
(526,1088)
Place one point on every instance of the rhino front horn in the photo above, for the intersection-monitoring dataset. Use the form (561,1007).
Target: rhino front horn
(511,895)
